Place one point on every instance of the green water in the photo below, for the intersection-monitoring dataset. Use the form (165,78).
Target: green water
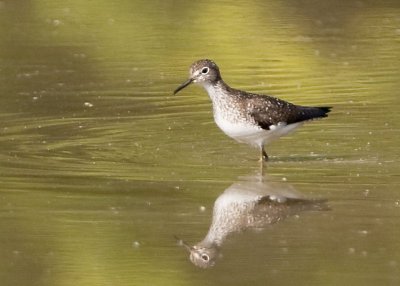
(100,166)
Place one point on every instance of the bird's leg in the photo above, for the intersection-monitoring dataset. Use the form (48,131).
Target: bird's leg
(263,158)
(264,155)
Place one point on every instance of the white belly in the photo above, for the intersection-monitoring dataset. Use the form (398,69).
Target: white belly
(254,135)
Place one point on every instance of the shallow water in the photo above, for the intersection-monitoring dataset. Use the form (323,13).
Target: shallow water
(100,166)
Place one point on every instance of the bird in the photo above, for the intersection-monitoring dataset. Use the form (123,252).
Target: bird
(248,204)
(250,118)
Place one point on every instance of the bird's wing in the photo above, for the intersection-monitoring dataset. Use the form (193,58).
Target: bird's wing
(268,110)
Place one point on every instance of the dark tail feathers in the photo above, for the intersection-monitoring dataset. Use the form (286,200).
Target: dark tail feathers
(309,113)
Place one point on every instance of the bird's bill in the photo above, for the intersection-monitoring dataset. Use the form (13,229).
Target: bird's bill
(184,244)
(183,85)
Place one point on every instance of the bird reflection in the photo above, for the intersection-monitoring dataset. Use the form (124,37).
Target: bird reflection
(250,203)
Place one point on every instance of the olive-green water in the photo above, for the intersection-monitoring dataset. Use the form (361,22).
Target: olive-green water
(100,166)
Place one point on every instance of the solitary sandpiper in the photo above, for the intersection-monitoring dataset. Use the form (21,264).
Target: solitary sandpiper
(248,117)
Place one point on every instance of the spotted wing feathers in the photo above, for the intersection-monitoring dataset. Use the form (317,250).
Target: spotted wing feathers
(267,111)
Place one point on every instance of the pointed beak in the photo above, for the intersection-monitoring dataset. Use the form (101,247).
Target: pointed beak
(183,85)
(184,244)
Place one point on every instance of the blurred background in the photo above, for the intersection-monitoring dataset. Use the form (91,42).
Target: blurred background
(100,166)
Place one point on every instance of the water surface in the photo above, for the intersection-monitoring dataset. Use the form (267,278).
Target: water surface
(100,166)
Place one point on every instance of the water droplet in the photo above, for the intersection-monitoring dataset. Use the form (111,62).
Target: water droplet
(56,22)
(363,232)
(88,104)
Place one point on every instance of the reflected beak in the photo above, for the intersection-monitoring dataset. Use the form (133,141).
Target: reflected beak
(183,243)
(183,85)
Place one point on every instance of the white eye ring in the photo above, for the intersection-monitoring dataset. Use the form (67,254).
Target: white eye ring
(205,70)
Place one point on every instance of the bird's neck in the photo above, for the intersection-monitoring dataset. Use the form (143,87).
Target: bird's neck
(217,90)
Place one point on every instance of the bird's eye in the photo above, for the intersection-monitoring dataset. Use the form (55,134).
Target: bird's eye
(205,70)
(205,257)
